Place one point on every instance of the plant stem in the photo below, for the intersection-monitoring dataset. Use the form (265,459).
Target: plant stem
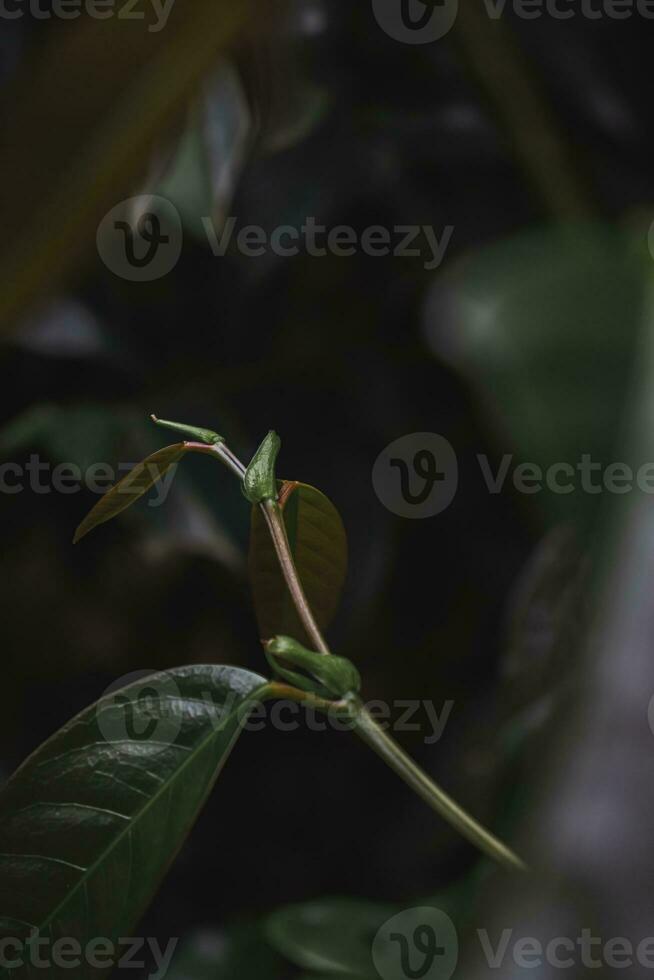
(395,757)
(352,707)
(275,521)
(274,690)
(224,454)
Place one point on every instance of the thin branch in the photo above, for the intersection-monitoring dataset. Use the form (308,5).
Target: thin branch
(362,722)
(275,521)
(402,764)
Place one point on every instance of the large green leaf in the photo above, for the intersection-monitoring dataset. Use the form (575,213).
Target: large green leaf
(127,491)
(317,539)
(91,821)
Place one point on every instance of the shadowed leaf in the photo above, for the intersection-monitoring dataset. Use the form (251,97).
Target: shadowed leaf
(319,546)
(331,936)
(544,324)
(128,490)
(93,819)
(110,90)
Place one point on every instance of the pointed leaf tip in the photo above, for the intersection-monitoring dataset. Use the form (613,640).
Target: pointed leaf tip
(259,482)
(128,490)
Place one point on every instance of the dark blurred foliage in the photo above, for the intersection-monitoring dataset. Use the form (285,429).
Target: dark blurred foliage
(481,605)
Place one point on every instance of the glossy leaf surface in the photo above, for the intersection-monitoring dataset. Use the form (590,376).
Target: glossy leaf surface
(92,820)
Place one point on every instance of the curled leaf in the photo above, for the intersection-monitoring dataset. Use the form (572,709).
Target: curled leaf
(336,676)
(128,490)
(259,482)
(208,436)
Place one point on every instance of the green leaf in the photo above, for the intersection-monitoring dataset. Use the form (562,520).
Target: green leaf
(207,436)
(329,936)
(92,820)
(335,676)
(259,482)
(319,546)
(204,170)
(128,490)
(67,161)
(544,325)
